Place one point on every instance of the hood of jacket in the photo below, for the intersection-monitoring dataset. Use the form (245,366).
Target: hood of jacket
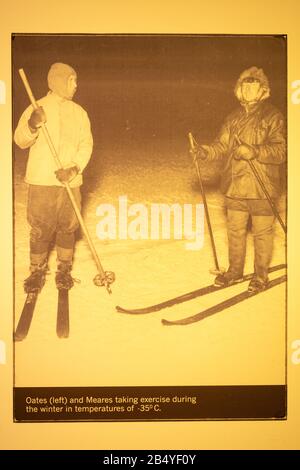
(253,72)
(58,77)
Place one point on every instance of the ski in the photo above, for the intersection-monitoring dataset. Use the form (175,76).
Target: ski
(26,316)
(223,305)
(189,296)
(62,321)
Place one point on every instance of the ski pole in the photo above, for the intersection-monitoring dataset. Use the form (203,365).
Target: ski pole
(213,245)
(264,189)
(103,278)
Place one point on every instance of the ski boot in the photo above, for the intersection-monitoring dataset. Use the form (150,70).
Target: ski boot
(63,278)
(35,282)
(227,279)
(256,285)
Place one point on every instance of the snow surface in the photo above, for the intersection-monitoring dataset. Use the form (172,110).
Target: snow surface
(243,345)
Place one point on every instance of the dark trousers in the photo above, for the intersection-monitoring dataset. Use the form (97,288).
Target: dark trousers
(49,212)
(238,213)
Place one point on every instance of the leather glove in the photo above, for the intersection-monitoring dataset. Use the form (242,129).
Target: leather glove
(65,175)
(245,152)
(36,119)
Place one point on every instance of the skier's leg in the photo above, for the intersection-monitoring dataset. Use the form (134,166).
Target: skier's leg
(237,237)
(41,216)
(262,227)
(65,237)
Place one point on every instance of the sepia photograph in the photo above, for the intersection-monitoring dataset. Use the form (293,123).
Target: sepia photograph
(149,232)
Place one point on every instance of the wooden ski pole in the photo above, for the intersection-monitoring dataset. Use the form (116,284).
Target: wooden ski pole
(264,189)
(103,278)
(211,236)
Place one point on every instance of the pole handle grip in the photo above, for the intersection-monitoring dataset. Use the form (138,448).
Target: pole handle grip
(191,140)
(193,147)
(27,88)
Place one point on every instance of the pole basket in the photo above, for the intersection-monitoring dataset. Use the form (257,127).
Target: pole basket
(108,278)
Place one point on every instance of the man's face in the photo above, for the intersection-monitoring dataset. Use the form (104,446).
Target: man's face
(71,86)
(251,90)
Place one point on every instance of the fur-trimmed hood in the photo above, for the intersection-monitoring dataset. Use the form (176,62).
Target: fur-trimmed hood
(253,72)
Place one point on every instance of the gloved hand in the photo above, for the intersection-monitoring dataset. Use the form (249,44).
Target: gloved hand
(245,152)
(37,117)
(65,175)
(200,152)
(203,152)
